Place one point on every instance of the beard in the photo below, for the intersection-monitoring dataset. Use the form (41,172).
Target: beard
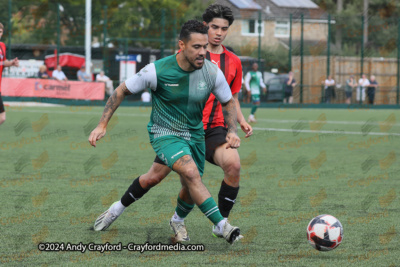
(192,63)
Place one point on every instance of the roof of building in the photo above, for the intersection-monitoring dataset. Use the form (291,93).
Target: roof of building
(273,9)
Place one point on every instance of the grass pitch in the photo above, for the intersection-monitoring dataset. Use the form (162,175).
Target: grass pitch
(297,165)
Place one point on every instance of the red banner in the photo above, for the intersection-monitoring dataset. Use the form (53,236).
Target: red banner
(65,59)
(52,89)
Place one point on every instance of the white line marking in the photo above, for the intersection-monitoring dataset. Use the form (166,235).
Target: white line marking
(81,113)
(330,122)
(254,128)
(310,131)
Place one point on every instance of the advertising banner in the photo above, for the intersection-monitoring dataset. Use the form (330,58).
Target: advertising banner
(52,89)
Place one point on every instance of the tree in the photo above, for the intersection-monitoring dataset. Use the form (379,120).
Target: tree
(35,22)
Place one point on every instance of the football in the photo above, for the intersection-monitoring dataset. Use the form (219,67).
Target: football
(324,232)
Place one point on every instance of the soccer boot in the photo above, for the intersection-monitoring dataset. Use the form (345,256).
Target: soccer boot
(252,118)
(231,233)
(216,232)
(179,229)
(105,220)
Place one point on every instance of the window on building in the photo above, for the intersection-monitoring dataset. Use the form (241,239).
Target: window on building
(282,28)
(250,27)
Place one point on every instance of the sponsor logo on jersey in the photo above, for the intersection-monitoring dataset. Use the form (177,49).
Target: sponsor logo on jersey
(202,85)
(215,62)
(172,84)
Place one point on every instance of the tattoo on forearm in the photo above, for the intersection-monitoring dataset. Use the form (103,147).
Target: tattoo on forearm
(113,102)
(230,116)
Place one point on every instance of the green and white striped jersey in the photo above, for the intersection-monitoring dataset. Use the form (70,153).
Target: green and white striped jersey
(253,81)
(178,96)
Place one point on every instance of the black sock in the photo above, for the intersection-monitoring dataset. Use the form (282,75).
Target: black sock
(226,192)
(134,193)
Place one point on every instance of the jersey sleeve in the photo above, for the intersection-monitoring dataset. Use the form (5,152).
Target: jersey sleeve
(145,78)
(221,90)
(247,81)
(237,81)
(3,48)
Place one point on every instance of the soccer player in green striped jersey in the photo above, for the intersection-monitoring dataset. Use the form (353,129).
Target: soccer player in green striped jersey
(253,81)
(181,85)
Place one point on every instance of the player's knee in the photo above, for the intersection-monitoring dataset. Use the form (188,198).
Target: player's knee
(191,174)
(232,169)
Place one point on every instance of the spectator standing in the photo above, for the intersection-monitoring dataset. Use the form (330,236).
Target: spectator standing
(290,83)
(373,84)
(350,84)
(363,82)
(329,89)
(59,75)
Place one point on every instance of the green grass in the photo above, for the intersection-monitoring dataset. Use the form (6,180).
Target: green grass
(53,186)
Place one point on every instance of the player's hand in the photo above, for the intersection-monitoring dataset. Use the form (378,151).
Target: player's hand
(246,128)
(96,134)
(15,62)
(265,90)
(233,140)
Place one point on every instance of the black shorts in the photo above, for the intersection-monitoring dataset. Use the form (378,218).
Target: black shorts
(1,105)
(288,94)
(214,137)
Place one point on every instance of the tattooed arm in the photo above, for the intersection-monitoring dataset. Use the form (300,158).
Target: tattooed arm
(230,116)
(112,104)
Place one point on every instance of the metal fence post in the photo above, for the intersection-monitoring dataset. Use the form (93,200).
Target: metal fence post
(362,57)
(174,33)
(162,33)
(259,40)
(301,58)
(398,62)
(290,42)
(58,32)
(105,50)
(328,52)
(9,55)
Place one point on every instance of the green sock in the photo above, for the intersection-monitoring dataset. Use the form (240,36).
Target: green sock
(183,208)
(210,209)
(253,110)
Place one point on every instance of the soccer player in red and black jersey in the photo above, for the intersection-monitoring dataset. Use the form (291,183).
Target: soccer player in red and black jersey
(4,63)
(218,18)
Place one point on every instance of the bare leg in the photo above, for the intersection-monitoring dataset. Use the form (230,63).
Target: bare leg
(2,117)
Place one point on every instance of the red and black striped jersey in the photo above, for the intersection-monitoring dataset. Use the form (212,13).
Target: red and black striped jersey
(2,59)
(231,66)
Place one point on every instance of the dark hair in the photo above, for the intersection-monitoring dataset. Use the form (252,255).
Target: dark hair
(218,11)
(192,26)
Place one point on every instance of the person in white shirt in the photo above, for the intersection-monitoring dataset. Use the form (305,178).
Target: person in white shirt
(363,82)
(101,77)
(146,97)
(59,75)
(329,89)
